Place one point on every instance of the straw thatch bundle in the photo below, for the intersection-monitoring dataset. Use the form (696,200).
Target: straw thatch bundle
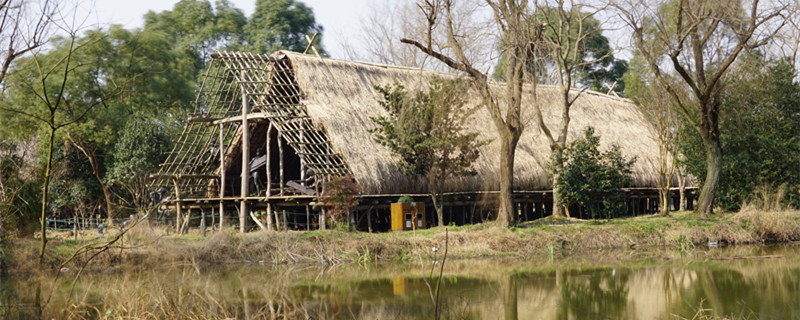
(339,97)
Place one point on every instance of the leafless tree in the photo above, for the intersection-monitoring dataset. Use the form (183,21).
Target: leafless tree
(24,26)
(657,106)
(788,38)
(389,21)
(516,21)
(698,41)
(46,80)
(566,31)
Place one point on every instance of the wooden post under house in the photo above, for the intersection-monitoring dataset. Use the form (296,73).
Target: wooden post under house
(221,177)
(280,155)
(245,187)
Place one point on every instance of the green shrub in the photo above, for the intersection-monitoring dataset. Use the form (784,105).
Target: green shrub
(405,199)
(591,179)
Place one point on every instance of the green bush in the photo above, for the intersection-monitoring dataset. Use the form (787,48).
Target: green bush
(405,199)
(591,179)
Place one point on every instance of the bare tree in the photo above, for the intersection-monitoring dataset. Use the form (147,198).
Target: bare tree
(516,21)
(700,40)
(388,21)
(24,26)
(657,106)
(41,86)
(567,30)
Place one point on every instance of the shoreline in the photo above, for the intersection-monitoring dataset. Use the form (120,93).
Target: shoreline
(146,247)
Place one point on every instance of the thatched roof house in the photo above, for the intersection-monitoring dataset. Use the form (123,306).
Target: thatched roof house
(322,109)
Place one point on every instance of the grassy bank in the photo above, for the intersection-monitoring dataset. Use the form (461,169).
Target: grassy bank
(148,246)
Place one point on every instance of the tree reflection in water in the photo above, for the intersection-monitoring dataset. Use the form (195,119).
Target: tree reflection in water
(475,289)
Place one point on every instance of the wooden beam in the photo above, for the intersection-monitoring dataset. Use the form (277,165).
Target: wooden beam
(178,176)
(250,116)
(202,120)
(301,188)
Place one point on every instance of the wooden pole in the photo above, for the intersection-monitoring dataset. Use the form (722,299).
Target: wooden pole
(221,177)
(245,187)
(322,211)
(280,155)
(213,219)
(277,221)
(269,160)
(255,219)
(308,218)
(269,216)
(203,222)
(369,219)
(285,221)
(177,207)
(185,219)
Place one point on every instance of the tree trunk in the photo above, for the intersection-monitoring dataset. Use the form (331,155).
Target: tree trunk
(109,200)
(663,200)
(508,147)
(45,194)
(682,186)
(558,210)
(94,162)
(705,202)
(438,207)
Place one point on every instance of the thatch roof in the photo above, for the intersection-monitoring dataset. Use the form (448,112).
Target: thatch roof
(340,99)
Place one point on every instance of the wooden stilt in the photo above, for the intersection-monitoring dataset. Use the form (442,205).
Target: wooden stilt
(269,160)
(302,151)
(369,219)
(308,218)
(280,155)
(213,219)
(269,216)
(185,221)
(221,177)
(203,222)
(450,214)
(322,221)
(177,207)
(245,187)
(277,221)
(472,214)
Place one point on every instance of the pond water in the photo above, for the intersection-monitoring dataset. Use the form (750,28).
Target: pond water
(753,282)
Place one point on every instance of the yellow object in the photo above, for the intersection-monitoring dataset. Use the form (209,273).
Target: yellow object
(408,216)
(399,286)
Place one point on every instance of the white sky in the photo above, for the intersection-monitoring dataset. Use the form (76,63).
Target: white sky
(341,19)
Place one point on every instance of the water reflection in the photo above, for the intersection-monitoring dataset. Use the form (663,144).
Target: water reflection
(577,287)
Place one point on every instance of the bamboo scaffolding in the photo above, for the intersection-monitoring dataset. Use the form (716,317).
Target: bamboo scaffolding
(237,90)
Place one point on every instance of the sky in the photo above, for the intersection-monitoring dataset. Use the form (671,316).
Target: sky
(341,19)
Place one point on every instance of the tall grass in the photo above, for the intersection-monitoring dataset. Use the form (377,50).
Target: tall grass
(767,198)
